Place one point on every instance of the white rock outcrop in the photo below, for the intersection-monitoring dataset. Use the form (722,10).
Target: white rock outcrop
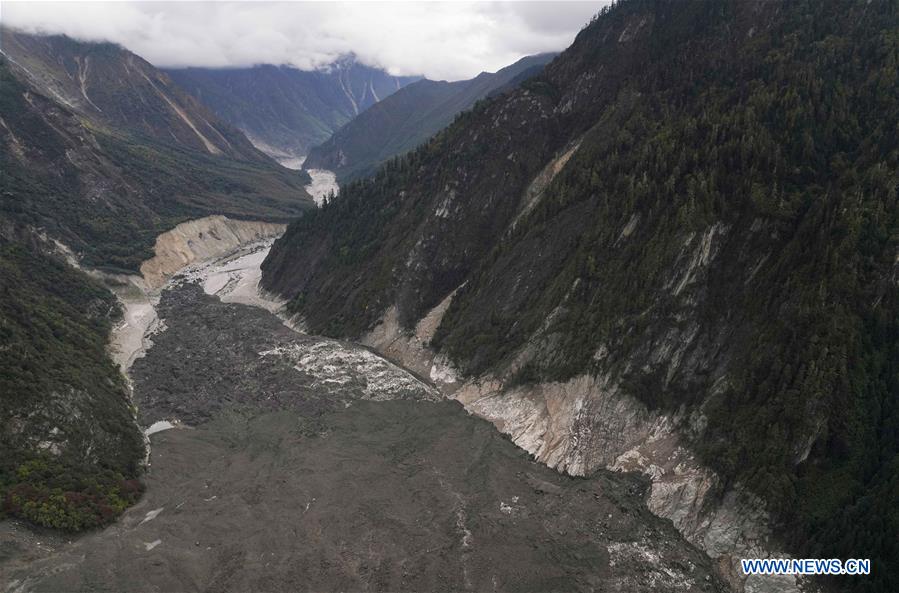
(201,239)
(412,349)
(588,423)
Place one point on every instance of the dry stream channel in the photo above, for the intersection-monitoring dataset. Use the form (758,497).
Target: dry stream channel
(287,462)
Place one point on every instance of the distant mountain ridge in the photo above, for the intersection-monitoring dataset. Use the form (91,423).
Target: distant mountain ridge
(284,110)
(410,116)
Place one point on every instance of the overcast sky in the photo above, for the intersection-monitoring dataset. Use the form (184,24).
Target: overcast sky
(441,40)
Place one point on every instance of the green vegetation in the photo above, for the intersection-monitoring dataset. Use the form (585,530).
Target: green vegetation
(107,194)
(805,146)
(406,119)
(53,494)
(105,185)
(57,469)
(765,132)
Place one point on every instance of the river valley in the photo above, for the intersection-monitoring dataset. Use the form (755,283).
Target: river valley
(606,299)
(282,461)
(324,182)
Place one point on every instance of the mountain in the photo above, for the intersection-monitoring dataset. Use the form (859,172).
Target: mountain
(673,251)
(105,152)
(119,90)
(72,450)
(101,153)
(285,110)
(409,117)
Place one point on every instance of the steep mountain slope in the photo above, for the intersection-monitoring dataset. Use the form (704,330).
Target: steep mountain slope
(71,449)
(100,153)
(675,251)
(104,153)
(285,110)
(120,90)
(409,117)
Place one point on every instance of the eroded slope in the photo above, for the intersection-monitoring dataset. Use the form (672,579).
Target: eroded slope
(681,236)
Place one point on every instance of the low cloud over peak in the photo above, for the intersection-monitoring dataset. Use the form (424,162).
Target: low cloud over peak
(441,40)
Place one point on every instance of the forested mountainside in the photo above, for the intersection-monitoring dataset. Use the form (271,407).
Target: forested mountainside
(695,204)
(104,152)
(406,119)
(100,153)
(71,448)
(286,110)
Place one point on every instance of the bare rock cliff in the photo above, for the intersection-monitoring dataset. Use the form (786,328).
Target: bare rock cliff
(201,239)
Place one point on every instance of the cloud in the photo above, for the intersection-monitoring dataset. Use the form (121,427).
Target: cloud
(441,40)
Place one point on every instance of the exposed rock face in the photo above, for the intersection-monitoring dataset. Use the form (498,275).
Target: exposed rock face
(588,423)
(412,349)
(204,238)
(533,193)
(654,268)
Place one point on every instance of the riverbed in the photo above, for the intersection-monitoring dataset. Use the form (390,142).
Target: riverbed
(324,182)
(294,462)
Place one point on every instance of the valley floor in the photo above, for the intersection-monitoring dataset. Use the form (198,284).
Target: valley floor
(324,182)
(302,463)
